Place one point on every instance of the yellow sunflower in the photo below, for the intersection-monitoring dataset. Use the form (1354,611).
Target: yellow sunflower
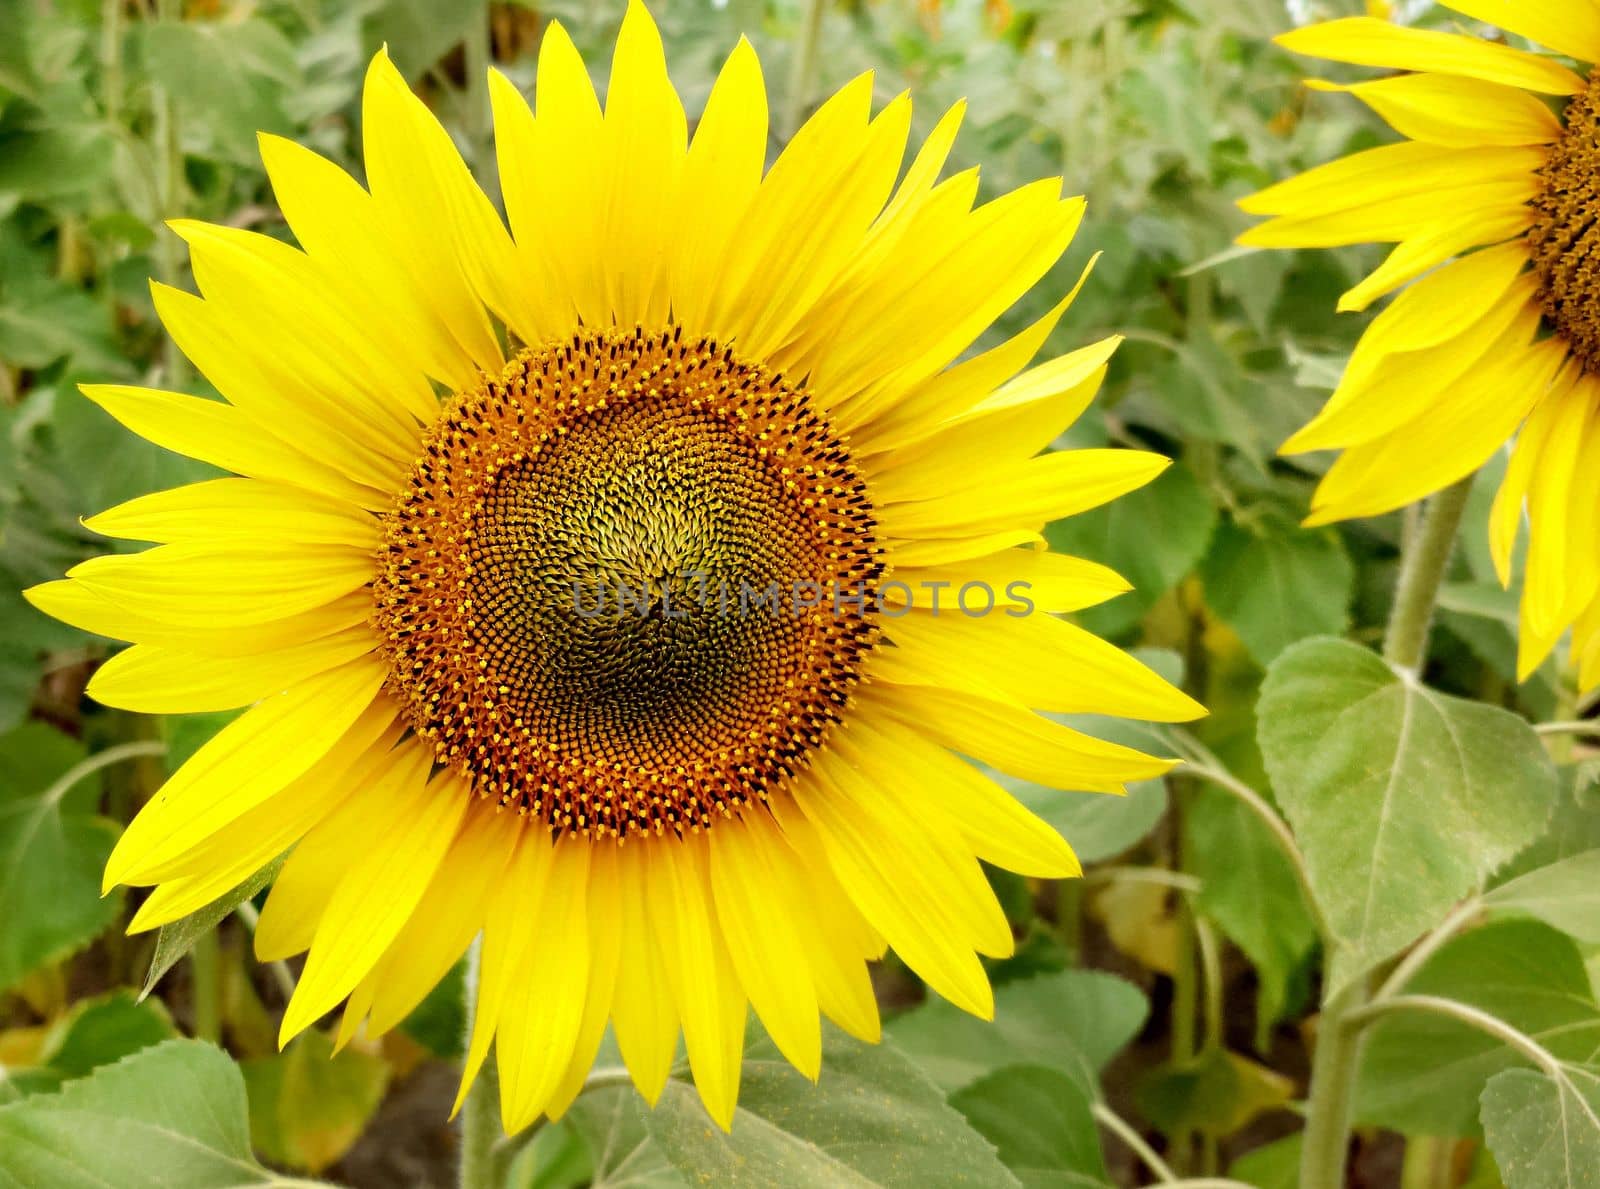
(622,652)
(1492,202)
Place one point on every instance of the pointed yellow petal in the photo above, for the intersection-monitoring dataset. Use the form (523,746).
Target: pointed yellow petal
(1367,41)
(544,1008)
(1443,109)
(432,214)
(380,887)
(238,509)
(224,586)
(643,1012)
(220,434)
(1028,493)
(767,954)
(245,763)
(153,680)
(698,970)
(1568,28)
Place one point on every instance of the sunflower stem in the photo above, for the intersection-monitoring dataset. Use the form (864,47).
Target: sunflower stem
(1422,569)
(803,69)
(1330,1107)
(480,1114)
(173,196)
(205,972)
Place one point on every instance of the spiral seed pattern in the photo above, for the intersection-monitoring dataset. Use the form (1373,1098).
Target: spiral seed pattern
(574,590)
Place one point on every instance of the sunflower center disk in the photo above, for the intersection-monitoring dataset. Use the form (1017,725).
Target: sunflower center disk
(1564,241)
(630,583)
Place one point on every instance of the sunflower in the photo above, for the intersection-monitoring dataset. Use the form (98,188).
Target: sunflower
(1491,202)
(581,579)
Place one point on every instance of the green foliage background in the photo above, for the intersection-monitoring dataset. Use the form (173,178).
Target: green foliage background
(1168,1000)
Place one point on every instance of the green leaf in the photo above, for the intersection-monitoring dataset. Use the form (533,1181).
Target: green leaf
(440,1021)
(1404,800)
(106,1029)
(1544,1131)
(1422,1073)
(1073,1022)
(611,1120)
(229,79)
(53,848)
(308,1106)
(95,1032)
(1277,583)
(1042,1124)
(175,940)
(1565,894)
(1271,1166)
(1153,537)
(169,1117)
(1249,888)
(873,1119)
(1215,1092)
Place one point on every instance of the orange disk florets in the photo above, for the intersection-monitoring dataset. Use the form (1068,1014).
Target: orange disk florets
(629,584)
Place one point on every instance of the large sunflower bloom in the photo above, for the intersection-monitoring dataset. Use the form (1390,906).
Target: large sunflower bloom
(1492,203)
(720,379)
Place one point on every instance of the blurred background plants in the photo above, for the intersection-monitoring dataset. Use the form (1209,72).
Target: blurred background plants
(1158,1019)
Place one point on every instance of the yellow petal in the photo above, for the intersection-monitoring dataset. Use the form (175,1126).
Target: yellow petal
(1012,425)
(1393,219)
(604,910)
(1441,241)
(643,1012)
(698,970)
(337,224)
(243,846)
(254,378)
(220,434)
(153,680)
(929,404)
(1367,41)
(997,827)
(1030,493)
(381,885)
(1026,579)
(718,183)
(545,1007)
(1442,109)
(1013,739)
(1039,660)
(1570,27)
(72,602)
(443,925)
(1382,391)
(895,889)
(646,142)
(766,951)
(248,761)
(432,214)
(1450,441)
(224,586)
(238,509)
(281,298)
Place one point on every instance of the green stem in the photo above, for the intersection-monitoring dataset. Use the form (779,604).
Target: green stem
(1331,1104)
(1421,571)
(1587,726)
(478,53)
(111,58)
(174,191)
(803,69)
(1493,1026)
(480,1114)
(205,971)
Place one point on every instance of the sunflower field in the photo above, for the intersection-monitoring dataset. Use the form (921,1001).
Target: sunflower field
(799,593)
